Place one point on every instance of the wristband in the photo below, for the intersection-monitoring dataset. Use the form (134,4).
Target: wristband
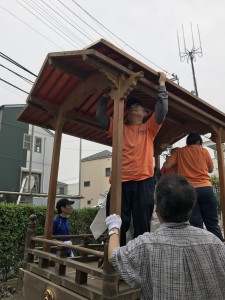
(111,232)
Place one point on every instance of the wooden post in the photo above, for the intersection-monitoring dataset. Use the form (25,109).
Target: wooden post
(110,277)
(29,244)
(81,277)
(220,159)
(53,182)
(60,269)
(43,263)
(117,144)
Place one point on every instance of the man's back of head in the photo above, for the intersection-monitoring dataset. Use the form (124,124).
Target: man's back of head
(174,198)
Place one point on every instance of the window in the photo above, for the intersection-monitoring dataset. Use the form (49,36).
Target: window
(89,202)
(60,190)
(38,144)
(87,183)
(107,172)
(26,141)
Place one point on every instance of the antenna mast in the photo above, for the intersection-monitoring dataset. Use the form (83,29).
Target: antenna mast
(190,54)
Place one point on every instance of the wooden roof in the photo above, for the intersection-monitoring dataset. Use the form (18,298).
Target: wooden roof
(70,83)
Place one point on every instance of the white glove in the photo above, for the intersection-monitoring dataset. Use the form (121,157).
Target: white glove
(113,221)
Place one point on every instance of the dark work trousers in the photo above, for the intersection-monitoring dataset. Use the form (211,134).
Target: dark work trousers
(206,209)
(138,201)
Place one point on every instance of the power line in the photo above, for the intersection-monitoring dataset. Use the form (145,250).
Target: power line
(31,27)
(84,33)
(15,63)
(125,44)
(14,86)
(55,20)
(101,25)
(78,149)
(59,26)
(11,91)
(79,18)
(44,23)
(22,77)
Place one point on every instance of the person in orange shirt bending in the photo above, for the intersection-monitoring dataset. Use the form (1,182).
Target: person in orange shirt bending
(138,181)
(194,163)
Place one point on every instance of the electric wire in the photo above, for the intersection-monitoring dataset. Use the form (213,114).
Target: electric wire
(4,87)
(79,18)
(16,63)
(14,86)
(73,26)
(31,28)
(45,23)
(56,24)
(22,77)
(125,44)
(82,29)
(84,33)
(100,24)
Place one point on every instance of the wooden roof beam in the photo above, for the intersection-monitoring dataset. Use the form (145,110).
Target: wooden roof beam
(52,109)
(76,117)
(191,108)
(94,82)
(65,68)
(175,134)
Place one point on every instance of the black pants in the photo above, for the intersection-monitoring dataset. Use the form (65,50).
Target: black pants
(138,201)
(205,210)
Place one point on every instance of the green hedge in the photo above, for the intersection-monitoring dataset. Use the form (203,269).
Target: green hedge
(13,225)
(216,187)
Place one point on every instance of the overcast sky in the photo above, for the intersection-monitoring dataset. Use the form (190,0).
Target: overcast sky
(30,29)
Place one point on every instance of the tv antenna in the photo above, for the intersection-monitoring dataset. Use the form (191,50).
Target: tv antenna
(190,55)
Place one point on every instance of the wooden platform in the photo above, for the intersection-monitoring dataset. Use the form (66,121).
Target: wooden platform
(37,281)
(89,275)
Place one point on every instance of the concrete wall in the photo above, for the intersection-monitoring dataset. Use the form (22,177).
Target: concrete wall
(94,171)
(41,161)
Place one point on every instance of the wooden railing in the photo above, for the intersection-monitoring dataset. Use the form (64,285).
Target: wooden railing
(81,274)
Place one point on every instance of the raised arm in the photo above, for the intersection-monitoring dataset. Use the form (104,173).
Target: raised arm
(209,162)
(161,107)
(101,112)
(170,162)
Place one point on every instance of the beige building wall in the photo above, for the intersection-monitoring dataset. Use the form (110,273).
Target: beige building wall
(94,181)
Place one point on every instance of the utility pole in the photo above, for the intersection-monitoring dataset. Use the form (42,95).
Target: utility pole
(190,55)
(80,154)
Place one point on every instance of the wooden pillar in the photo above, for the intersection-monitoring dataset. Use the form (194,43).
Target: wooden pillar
(220,159)
(60,268)
(53,182)
(81,277)
(110,285)
(117,144)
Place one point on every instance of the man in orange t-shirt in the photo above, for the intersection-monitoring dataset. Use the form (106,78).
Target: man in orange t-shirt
(138,181)
(194,163)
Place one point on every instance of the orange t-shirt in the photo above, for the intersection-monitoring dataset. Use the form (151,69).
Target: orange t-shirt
(193,163)
(173,170)
(138,149)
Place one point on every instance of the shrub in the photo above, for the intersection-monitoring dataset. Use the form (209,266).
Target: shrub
(13,226)
(216,187)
